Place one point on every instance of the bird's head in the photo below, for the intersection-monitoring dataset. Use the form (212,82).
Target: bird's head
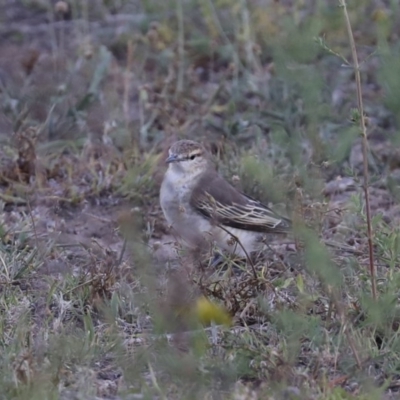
(187,157)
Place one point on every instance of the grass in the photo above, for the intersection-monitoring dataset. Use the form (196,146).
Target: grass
(97,300)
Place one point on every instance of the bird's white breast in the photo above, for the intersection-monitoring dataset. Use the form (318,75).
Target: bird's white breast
(175,195)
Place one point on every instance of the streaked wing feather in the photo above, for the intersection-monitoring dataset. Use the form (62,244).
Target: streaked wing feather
(218,200)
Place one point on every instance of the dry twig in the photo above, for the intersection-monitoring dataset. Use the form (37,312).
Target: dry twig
(356,67)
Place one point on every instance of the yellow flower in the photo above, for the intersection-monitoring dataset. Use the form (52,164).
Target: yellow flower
(208,312)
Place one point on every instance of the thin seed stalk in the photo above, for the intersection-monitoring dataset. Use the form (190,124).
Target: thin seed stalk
(364,147)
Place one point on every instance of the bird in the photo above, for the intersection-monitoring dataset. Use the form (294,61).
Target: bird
(203,208)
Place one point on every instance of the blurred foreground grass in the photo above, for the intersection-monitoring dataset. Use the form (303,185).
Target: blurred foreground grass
(92,93)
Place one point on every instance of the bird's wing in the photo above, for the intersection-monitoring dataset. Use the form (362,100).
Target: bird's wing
(216,199)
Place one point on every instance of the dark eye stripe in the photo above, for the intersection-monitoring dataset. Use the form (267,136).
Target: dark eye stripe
(193,156)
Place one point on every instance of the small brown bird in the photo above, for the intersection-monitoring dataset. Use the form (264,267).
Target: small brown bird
(202,207)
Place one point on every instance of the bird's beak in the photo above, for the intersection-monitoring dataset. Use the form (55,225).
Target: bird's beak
(172,158)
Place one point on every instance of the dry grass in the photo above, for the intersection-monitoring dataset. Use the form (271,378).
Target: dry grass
(97,300)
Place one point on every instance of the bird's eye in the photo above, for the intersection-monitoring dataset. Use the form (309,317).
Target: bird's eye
(193,156)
